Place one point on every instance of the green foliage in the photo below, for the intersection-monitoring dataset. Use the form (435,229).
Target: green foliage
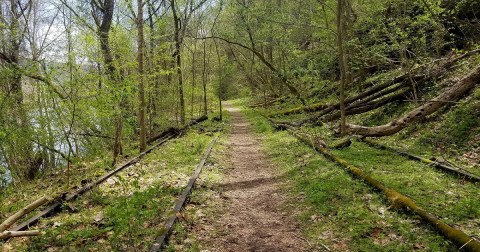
(460,125)
(3,177)
(127,216)
(341,212)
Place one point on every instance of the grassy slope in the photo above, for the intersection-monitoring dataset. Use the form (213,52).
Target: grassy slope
(452,134)
(128,211)
(346,214)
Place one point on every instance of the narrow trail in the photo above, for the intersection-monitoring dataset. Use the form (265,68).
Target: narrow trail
(254,219)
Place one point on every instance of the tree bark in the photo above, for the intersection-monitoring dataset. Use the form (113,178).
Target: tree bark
(451,94)
(204,78)
(12,219)
(8,234)
(343,62)
(104,23)
(141,89)
(178,59)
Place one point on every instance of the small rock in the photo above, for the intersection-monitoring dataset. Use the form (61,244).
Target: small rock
(98,217)
(111,181)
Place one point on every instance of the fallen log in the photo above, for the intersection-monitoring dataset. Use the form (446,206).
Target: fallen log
(263,103)
(8,234)
(197,120)
(360,109)
(343,143)
(355,108)
(177,131)
(310,108)
(425,72)
(397,200)
(451,94)
(375,92)
(167,132)
(377,95)
(15,217)
(162,239)
(356,100)
(56,206)
(452,170)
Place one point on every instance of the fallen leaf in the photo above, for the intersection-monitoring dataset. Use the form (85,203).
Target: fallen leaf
(418,246)
(315,218)
(375,232)
(179,216)
(98,217)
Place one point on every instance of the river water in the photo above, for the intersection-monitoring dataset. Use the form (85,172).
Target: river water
(5,176)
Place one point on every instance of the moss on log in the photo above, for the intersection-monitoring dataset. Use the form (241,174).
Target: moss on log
(398,200)
(310,108)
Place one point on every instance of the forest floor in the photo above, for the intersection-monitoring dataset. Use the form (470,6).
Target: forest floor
(260,190)
(254,218)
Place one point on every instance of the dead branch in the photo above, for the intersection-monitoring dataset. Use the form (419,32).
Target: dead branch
(8,234)
(451,94)
(12,219)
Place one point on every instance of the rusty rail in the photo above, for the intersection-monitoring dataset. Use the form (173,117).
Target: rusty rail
(57,204)
(452,170)
(162,240)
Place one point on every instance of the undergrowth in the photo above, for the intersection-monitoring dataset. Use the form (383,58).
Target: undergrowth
(338,211)
(127,212)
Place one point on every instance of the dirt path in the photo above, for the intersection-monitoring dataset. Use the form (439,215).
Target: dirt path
(253,219)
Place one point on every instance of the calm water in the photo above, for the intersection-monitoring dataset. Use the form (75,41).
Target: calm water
(5,177)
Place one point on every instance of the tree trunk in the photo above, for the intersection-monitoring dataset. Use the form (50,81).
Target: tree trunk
(8,234)
(178,60)
(365,107)
(103,32)
(19,151)
(343,63)
(141,89)
(451,94)
(204,78)
(193,79)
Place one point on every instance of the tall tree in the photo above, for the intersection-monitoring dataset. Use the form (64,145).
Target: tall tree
(178,58)
(141,89)
(15,15)
(102,13)
(342,61)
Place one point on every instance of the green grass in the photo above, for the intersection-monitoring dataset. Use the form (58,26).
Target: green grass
(204,203)
(434,190)
(128,211)
(337,210)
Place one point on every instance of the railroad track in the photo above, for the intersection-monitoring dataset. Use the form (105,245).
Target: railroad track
(162,240)
(56,205)
(459,172)
(453,234)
